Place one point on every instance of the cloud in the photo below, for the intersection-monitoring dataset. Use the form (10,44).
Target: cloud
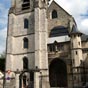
(3,16)
(85,23)
(3,25)
(79,10)
(74,7)
(84,26)
(3,34)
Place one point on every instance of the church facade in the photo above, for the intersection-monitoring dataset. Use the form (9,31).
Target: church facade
(45,49)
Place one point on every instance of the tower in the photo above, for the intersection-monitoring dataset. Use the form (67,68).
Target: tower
(27,42)
(76,55)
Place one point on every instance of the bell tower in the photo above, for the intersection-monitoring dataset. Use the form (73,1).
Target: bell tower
(41,58)
(27,42)
(22,5)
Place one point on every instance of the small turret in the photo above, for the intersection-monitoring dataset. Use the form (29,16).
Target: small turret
(76,53)
(76,47)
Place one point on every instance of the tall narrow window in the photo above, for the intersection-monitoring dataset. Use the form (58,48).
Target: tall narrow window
(76,52)
(79,43)
(25,63)
(54,14)
(26,23)
(25,41)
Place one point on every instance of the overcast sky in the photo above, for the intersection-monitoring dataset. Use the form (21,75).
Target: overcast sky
(77,8)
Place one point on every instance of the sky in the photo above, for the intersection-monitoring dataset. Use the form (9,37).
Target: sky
(4,6)
(77,8)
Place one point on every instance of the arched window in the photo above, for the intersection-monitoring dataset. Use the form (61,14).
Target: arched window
(54,14)
(25,43)
(25,63)
(26,23)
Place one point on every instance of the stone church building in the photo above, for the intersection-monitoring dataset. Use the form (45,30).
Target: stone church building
(45,49)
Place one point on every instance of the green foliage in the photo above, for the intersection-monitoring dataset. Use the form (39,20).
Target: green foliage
(2,62)
(2,56)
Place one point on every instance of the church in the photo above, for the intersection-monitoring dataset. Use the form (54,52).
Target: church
(44,48)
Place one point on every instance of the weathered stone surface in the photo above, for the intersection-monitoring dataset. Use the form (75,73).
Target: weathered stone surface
(40,25)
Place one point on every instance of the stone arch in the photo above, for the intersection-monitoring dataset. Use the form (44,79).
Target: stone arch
(58,73)
(25,63)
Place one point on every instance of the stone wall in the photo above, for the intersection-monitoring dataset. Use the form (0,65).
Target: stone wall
(61,20)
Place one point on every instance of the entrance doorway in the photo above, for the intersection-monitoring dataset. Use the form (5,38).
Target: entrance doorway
(26,81)
(58,73)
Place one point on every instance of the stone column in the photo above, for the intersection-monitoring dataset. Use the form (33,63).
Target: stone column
(41,56)
(17,79)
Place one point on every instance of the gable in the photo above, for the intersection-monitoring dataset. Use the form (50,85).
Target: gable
(61,18)
(58,8)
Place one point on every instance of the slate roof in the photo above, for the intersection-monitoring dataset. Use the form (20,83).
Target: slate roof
(75,30)
(58,31)
(55,3)
(84,37)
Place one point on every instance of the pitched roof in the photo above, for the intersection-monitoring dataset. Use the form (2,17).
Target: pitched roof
(84,37)
(59,7)
(58,31)
(75,30)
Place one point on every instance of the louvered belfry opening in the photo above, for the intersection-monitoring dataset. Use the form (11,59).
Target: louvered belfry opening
(26,4)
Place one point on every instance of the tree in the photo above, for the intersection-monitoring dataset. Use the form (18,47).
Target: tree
(2,56)
(2,62)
